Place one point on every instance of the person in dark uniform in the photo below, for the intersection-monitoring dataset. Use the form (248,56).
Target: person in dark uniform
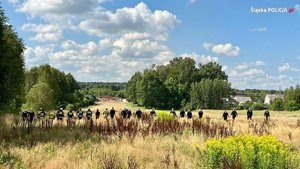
(182,113)
(24,115)
(112,112)
(200,114)
(173,112)
(124,113)
(152,113)
(97,114)
(138,113)
(89,114)
(60,114)
(70,115)
(31,116)
(249,114)
(79,114)
(225,115)
(267,115)
(129,114)
(234,114)
(42,116)
(189,114)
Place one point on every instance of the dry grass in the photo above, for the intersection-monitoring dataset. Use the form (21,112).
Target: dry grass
(77,148)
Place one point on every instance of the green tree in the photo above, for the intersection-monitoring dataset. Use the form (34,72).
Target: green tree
(277,105)
(40,96)
(291,105)
(131,89)
(212,70)
(209,93)
(152,90)
(63,85)
(11,67)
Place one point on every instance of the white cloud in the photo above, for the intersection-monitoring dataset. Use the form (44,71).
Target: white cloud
(259,63)
(129,20)
(249,75)
(13,1)
(261,29)
(44,32)
(283,68)
(286,67)
(202,59)
(38,55)
(192,1)
(297,7)
(207,45)
(56,7)
(226,49)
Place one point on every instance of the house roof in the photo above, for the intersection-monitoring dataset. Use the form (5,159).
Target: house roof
(274,96)
(242,99)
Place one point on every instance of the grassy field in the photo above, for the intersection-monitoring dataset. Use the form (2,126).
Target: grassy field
(81,147)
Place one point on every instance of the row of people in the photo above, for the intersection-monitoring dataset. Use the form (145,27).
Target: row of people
(189,113)
(125,113)
(249,114)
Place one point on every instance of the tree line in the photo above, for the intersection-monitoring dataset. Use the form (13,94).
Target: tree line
(179,84)
(12,73)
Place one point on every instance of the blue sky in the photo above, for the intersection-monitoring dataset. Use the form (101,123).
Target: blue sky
(109,40)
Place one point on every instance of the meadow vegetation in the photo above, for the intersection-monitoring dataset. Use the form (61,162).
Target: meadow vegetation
(161,142)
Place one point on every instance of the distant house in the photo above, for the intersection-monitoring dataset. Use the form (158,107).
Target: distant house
(241,99)
(271,97)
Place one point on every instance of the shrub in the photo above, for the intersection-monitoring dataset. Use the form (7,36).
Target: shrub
(291,105)
(249,152)
(70,107)
(259,106)
(164,115)
(10,161)
(247,105)
(277,105)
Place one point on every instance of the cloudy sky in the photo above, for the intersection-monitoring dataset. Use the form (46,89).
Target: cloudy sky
(109,40)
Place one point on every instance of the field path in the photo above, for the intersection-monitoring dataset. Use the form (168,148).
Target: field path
(118,106)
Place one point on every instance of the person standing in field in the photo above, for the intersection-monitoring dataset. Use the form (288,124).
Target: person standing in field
(138,113)
(70,114)
(31,116)
(112,112)
(70,117)
(60,115)
(249,114)
(129,114)
(89,114)
(124,113)
(173,112)
(51,117)
(24,116)
(182,113)
(106,113)
(234,114)
(200,114)
(189,114)
(225,115)
(79,114)
(97,114)
(42,116)
(152,113)
(267,115)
